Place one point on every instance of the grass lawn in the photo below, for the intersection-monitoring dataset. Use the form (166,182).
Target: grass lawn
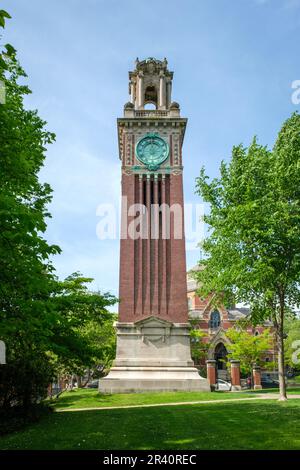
(295,379)
(91,398)
(290,390)
(240,425)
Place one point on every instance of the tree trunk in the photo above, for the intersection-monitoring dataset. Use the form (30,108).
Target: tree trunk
(280,347)
(79,381)
(88,379)
(71,383)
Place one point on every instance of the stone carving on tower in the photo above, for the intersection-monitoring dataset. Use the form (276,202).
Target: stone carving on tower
(153,342)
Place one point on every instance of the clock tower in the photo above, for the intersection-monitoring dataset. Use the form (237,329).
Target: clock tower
(153,342)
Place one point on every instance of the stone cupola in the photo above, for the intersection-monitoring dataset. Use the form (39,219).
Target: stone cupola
(151,83)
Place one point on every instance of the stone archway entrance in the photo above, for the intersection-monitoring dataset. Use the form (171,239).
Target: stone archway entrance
(218,351)
(220,356)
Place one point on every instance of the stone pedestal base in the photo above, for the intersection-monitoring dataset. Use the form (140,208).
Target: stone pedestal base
(236,388)
(153,355)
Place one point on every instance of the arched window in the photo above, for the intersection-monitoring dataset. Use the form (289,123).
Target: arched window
(215,319)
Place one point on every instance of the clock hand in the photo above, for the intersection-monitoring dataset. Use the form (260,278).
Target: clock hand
(151,148)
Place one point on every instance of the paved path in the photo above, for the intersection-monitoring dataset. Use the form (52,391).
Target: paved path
(265,396)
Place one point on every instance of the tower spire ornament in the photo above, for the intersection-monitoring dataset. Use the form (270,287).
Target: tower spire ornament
(153,340)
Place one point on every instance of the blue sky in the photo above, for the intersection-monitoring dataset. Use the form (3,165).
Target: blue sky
(234,62)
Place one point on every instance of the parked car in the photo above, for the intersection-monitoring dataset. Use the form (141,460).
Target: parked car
(222,385)
(268,382)
(93,384)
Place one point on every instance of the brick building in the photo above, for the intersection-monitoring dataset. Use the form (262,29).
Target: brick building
(215,321)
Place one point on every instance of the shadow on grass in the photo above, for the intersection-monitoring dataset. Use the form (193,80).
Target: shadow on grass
(251,425)
(82,398)
(85,398)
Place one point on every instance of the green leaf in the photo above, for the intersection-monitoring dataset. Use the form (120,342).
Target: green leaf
(10,50)
(3,15)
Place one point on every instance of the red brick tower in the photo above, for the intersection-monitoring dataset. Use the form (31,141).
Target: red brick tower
(153,350)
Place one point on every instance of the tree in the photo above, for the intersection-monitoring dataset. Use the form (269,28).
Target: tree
(292,344)
(45,323)
(26,278)
(253,247)
(198,345)
(83,336)
(248,348)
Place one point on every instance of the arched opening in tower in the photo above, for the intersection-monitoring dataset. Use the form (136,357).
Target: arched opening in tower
(150,97)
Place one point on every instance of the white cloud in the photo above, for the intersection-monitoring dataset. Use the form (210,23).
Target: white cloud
(96,259)
(80,180)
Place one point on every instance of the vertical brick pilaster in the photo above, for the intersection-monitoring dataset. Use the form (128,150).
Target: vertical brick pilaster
(163,254)
(257,377)
(211,373)
(178,308)
(154,250)
(235,375)
(127,288)
(147,267)
(139,261)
